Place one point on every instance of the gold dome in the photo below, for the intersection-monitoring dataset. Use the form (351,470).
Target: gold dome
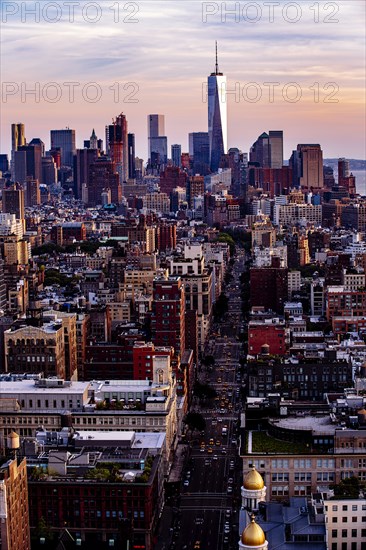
(253,480)
(253,534)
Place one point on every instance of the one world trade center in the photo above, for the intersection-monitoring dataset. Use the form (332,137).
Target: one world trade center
(217,116)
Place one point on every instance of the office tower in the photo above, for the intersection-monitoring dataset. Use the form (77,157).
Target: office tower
(176,154)
(131,157)
(217,116)
(4,163)
(260,151)
(17,136)
(65,140)
(311,166)
(17,140)
(157,141)
(33,161)
(14,512)
(49,171)
(276,148)
(82,162)
(19,166)
(343,170)
(32,192)
(199,151)
(118,146)
(13,201)
(168,317)
(102,176)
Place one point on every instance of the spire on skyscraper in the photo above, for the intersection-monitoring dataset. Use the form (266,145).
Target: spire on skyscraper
(217,65)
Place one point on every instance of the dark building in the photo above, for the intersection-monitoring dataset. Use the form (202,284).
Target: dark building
(199,151)
(176,154)
(268,286)
(33,159)
(64,140)
(4,163)
(103,175)
(118,146)
(308,380)
(168,317)
(354,216)
(32,192)
(131,156)
(83,159)
(260,151)
(13,201)
(195,188)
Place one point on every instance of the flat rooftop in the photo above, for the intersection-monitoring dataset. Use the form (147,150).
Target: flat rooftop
(318,424)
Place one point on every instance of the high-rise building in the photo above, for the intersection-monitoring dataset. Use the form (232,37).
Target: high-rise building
(33,160)
(102,176)
(17,140)
(343,170)
(276,148)
(168,318)
(82,162)
(217,116)
(14,512)
(118,146)
(131,157)
(157,141)
(49,171)
(176,154)
(310,163)
(13,201)
(260,151)
(199,151)
(32,192)
(65,140)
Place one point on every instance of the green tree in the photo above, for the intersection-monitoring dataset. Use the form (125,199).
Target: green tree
(347,488)
(195,421)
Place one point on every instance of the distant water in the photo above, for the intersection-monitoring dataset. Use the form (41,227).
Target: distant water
(360,181)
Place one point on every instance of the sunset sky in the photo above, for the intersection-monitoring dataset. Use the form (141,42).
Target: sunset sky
(169,51)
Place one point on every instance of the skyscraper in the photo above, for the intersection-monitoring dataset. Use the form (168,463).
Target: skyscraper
(103,176)
(157,141)
(118,146)
(65,139)
(217,116)
(17,140)
(82,162)
(176,154)
(13,201)
(131,157)
(276,148)
(17,136)
(199,151)
(311,166)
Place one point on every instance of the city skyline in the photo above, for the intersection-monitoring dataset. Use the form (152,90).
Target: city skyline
(304,52)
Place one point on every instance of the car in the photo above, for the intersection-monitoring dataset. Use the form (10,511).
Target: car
(218,443)
(233,441)
(223,451)
(219,380)
(219,420)
(197,545)
(222,411)
(229,490)
(230,480)
(215,457)
(186,483)
(227,513)
(209,450)
(211,441)
(188,474)
(202,450)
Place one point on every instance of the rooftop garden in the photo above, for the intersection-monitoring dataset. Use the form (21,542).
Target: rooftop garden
(264,443)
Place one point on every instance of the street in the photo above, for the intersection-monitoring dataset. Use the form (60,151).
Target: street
(206,514)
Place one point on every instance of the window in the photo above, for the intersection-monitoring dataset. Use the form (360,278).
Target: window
(354,533)
(344,507)
(334,533)
(344,533)
(334,519)
(344,519)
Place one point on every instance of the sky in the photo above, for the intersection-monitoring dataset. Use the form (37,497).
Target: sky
(150,56)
